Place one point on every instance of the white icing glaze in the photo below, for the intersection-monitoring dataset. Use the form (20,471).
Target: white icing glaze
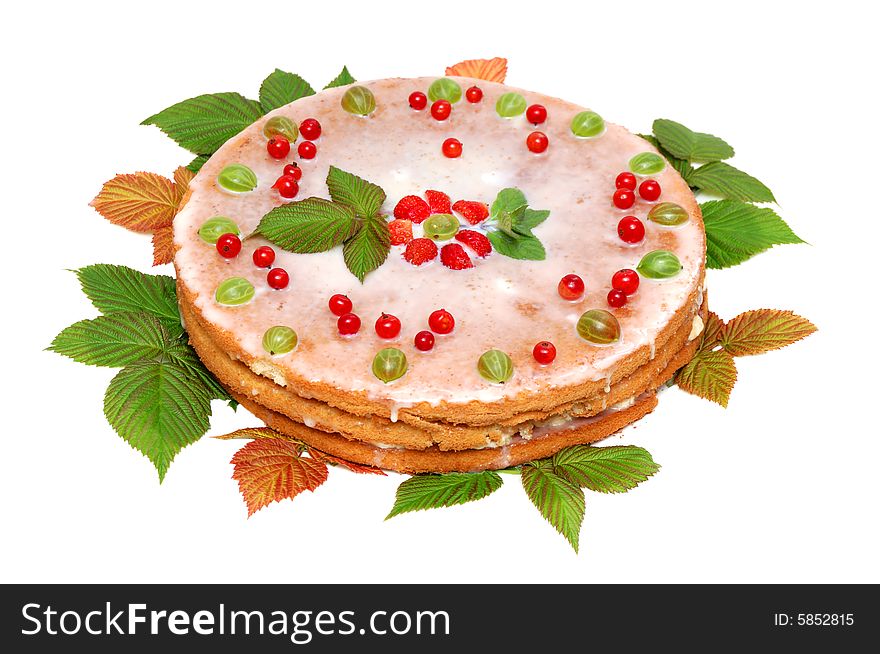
(502,303)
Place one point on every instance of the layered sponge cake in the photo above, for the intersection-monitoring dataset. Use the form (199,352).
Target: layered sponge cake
(528,363)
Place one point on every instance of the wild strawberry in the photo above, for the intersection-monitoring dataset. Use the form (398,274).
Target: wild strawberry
(413,208)
(475,241)
(453,256)
(401,232)
(438,201)
(419,251)
(473,212)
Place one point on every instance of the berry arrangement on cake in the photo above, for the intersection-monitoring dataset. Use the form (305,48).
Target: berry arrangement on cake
(442,276)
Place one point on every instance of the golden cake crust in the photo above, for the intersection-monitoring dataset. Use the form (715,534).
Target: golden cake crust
(420,433)
(435,460)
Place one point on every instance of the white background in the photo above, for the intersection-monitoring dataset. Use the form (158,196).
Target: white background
(780,487)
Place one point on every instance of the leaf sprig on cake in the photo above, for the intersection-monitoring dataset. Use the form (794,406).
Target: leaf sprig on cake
(350,219)
(514,221)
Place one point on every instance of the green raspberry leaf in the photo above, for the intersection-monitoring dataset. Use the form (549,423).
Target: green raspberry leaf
(196,164)
(157,409)
(307,226)
(434,491)
(729,182)
(518,247)
(281,88)
(368,248)
(204,123)
(343,78)
(364,197)
(737,231)
(561,502)
(614,469)
(184,355)
(684,143)
(119,289)
(114,341)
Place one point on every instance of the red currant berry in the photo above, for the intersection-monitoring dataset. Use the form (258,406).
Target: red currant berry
(616,299)
(441,321)
(387,326)
(278,278)
(264,256)
(310,129)
(626,281)
(228,245)
(537,142)
(625,180)
(424,341)
(278,147)
(348,324)
(474,94)
(418,100)
(452,148)
(441,109)
(294,171)
(544,352)
(307,150)
(630,230)
(571,287)
(339,305)
(623,198)
(649,190)
(286,186)
(536,114)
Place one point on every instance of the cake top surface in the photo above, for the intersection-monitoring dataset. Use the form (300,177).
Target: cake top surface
(501,303)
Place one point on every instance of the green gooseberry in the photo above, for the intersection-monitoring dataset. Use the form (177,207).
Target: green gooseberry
(237,178)
(359,100)
(234,291)
(279,340)
(495,366)
(389,364)
(598,326)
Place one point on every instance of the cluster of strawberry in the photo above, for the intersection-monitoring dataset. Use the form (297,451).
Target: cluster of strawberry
(413,209)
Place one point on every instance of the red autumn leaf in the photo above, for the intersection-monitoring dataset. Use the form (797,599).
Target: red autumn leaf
(182,177)
(163,245)
(712,331)
(354,467)
(270,470)
(141,202)
(491,70)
